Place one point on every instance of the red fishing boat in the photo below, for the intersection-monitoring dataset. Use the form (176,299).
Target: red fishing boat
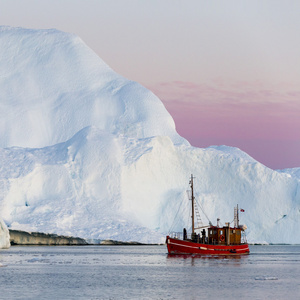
(212,240)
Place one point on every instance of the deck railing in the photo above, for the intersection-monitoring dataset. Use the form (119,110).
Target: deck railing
(179,235)
(176,235)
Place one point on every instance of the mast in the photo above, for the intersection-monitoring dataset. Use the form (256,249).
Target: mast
(238,221)
(236,216)
(193,198)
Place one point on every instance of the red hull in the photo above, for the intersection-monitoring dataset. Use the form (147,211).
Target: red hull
(176,246)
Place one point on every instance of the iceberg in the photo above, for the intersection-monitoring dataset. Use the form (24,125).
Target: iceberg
(4,236)
(85,152)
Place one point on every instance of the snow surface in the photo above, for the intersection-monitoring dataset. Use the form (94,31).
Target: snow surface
(87,153)
(295,172)
(4,236)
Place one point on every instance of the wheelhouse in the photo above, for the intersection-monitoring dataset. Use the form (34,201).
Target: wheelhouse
(225,235)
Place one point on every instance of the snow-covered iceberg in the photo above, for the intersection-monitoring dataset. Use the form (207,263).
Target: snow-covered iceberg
(88,153)
(53,85)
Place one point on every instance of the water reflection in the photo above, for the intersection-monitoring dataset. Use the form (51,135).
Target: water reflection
(148,272)
(198,259)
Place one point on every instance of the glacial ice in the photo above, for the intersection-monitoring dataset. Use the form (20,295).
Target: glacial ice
(85,152)
(4,236)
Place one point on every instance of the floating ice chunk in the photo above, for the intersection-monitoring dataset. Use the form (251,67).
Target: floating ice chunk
(4,236)
(266,278)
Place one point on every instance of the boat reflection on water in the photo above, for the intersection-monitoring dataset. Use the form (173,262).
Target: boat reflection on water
(206,257)
(196,259)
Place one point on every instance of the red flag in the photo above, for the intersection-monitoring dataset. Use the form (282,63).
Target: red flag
(242,210)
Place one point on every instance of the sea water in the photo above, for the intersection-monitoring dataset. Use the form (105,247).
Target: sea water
(147,272)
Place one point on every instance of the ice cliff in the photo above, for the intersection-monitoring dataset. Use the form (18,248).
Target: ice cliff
(4,236)
(85,152)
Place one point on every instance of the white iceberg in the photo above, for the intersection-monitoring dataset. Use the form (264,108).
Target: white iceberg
(4,236)
(87,153)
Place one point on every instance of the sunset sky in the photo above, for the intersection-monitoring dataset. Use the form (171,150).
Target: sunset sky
(227,71)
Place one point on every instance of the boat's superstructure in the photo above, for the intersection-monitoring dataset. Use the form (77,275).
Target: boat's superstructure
(213,240)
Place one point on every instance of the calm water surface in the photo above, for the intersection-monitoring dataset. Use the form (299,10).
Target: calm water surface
(147,272)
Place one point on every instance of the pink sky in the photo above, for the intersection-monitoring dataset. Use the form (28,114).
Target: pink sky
(227,71)
(263,122)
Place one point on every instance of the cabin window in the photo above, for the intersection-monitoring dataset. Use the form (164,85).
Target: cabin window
(233,231)
(211,232)
(221,231)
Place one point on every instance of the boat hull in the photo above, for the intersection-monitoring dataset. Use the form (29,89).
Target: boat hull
(177,246)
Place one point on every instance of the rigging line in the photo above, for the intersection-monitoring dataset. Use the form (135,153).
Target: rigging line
(199,205)
(173,224)
(198,216)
